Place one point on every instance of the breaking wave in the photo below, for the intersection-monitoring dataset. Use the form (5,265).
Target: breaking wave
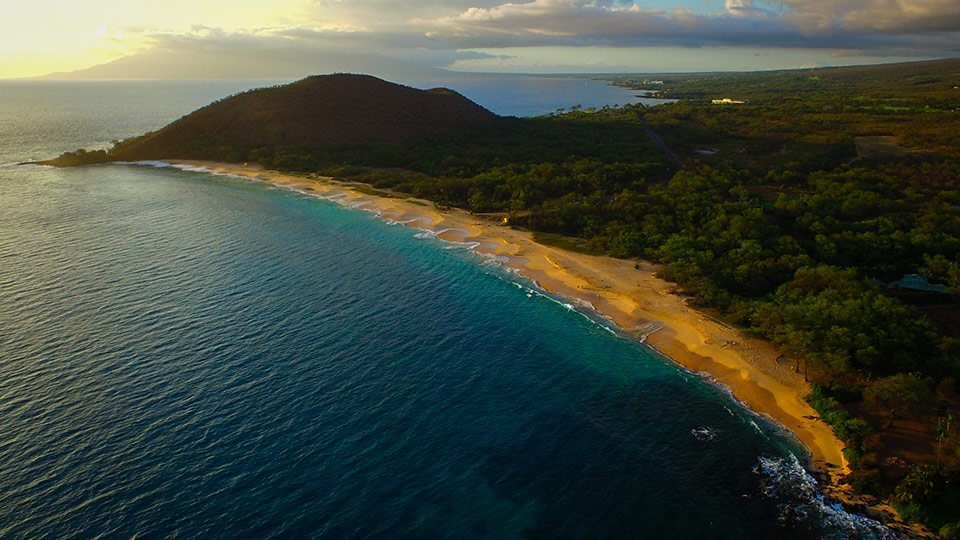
(801,503)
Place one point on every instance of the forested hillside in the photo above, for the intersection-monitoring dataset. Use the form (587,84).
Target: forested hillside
(821,210)
(341,111)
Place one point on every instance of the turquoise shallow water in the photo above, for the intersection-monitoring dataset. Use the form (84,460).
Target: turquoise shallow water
(187,355)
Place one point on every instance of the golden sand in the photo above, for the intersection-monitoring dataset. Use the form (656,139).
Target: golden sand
(626,291)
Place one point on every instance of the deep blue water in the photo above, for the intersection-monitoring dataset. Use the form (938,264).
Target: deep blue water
(197,356)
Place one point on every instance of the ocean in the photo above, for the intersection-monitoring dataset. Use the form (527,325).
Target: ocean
(185,355)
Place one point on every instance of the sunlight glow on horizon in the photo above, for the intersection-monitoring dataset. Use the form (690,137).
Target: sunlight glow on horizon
(48,36)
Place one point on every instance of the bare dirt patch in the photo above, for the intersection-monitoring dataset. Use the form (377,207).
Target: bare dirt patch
(875,146)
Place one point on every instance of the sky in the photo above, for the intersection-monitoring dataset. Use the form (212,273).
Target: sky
(532,36)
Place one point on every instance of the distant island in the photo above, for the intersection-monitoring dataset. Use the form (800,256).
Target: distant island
(814,211)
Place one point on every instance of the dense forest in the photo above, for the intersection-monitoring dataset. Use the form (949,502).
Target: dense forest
(819,209)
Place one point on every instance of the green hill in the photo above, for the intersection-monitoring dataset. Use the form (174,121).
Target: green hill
(319,112)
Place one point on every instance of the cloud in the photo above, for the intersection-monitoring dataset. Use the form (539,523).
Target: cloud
(551,22)
(886,16)
(439,28)
(746,8)
(565,22)
(854,24)
(472,32)
(386,14)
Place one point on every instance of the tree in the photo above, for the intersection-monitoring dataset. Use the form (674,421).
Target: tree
(922,484)
(903,392)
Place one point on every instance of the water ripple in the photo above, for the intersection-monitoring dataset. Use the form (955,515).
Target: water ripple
(190,356)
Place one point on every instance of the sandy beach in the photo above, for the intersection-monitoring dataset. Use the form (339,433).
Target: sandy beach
(625,291)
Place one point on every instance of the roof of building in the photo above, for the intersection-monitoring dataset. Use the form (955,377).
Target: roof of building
(919,283)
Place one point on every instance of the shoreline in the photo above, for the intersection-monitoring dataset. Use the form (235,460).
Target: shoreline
(627,292)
